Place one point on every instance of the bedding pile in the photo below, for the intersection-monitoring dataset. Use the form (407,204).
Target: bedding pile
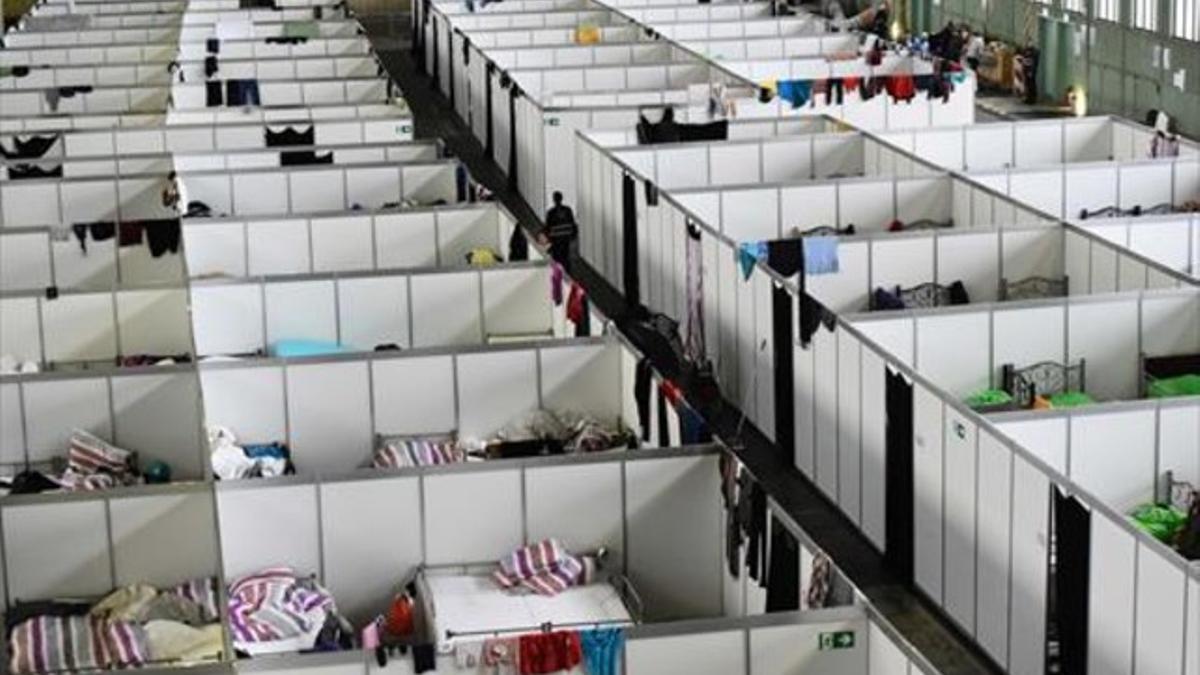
(91,464)
(132,626)
(577,432)
(276,610)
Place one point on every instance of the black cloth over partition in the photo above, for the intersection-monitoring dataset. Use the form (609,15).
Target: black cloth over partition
(489,143)
(783,573)
(304,157)
(898,482)
(214,94)
(23,171)
(33,147)
(1073,545)
(513,92)
(629,242)
(641,394)
(785,395)
(290,136)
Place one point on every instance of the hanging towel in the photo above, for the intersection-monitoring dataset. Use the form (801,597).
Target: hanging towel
(641,394)
(749,253)
(602,650)
(796,92)
(784,255)
(821,255)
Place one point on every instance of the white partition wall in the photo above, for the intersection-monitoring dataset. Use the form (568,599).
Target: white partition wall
(361,311)
(472,392)
(441,236)
(245,192)
(1120,453)
(525,502)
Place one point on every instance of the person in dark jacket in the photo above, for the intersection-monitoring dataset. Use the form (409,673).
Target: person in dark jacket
(561,230)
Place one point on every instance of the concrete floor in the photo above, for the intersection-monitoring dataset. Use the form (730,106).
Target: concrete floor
(918,621)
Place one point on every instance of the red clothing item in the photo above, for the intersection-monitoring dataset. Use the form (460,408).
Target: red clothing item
(851,83)
(549,652)
(575,303)
(902,87)
(671,391)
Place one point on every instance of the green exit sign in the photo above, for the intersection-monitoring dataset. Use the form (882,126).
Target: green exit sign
(404,129)
(553,121)
(842,639)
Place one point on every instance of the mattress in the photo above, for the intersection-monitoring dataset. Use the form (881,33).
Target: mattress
(473,602)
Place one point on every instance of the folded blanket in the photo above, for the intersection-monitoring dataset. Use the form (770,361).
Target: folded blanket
(72,643)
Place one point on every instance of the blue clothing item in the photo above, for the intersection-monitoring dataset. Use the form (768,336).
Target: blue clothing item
(796,92)
(820,255)
(241,92)
(269,450)
(748,253)
(286,348)
(602,650)
(693,430)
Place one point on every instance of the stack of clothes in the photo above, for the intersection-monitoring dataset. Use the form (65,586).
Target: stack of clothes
(231,461)
(411,451)
(546,568)
(91,464)
(276,611)
(132,626)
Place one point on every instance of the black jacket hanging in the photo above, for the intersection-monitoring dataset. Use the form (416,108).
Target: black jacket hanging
(290,136)
(629,242)
(450,68)
(783,573)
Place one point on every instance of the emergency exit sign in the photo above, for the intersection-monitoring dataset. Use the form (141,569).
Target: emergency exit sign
(842,639)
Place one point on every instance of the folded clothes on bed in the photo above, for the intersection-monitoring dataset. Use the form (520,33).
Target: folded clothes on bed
(546,568)
(575,431)
(410,452)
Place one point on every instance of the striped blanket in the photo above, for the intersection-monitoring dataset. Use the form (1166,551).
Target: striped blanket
(417,452)
(276,604)
(546,568)
(72,643)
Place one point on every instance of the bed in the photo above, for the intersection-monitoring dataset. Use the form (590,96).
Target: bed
(921,296)
(1033,288)
(462,603)
(1050,380)
(1168,376)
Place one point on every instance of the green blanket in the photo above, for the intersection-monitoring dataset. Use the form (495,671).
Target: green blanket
(989,397)
(1161,522)
(1168,387)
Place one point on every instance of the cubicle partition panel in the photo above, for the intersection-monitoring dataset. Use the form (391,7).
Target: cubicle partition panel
(96,30)
(205,116)
(279,191)
(1020,334)
(213,136)
(136,164)
(1032,143)
(1172,240)
(149,51)
(440,236)
(1122,453)
(124,406)
(43,76)
(361,311)
(650,509)
(86,545)
(1089,191)
(289,68)
(72,328)
(100,99)
(329,409)
(276,93)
